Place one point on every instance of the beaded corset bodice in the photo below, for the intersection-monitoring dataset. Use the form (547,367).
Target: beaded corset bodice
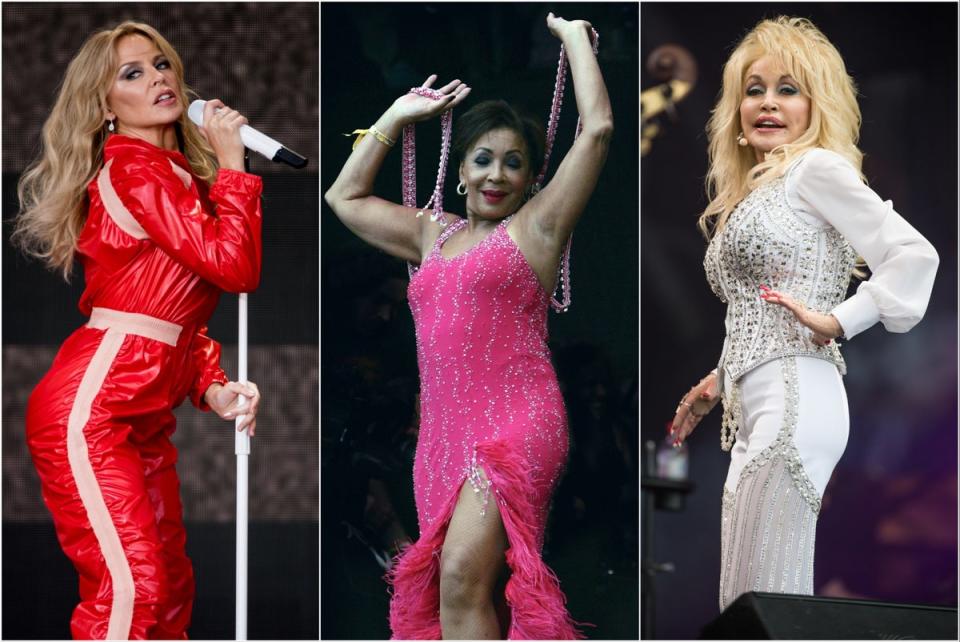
(766,242)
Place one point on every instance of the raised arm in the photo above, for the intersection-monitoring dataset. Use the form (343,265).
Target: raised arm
(224,249)
(393,228)
(553,213)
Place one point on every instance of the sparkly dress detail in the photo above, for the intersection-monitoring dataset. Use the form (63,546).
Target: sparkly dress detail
(783,395)
(769,521)
(492,416)
(765,242)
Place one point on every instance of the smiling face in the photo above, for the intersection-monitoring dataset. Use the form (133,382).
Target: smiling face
(773,111)
(143,96)
(496,170)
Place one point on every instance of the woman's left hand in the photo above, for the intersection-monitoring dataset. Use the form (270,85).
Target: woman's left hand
(563,29)
(825,327)
(223,401)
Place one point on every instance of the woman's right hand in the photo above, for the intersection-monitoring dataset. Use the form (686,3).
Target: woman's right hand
(412,108)
(221,129)
(693,407)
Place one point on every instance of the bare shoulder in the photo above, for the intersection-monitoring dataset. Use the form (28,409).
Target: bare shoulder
(430,231)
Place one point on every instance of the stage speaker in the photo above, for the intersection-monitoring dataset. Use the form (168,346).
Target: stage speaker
(774,616)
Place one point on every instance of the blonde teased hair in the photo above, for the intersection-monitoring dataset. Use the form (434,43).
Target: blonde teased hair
(53,190)
(805,53)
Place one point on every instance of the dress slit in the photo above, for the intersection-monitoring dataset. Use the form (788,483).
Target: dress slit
(533,595)
(490,402)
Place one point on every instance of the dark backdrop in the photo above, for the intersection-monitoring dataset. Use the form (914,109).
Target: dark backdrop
(373,53)
(888,525)
(261,58)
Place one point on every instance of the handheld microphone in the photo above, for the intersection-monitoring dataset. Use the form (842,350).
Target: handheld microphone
(253,139)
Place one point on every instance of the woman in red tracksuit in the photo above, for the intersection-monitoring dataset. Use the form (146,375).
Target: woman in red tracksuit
(122,185)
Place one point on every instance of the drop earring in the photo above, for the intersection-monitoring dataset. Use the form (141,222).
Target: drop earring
(741,140)
(110,126)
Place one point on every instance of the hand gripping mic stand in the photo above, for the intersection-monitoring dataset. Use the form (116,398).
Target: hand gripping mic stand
(241,448)
(276,152)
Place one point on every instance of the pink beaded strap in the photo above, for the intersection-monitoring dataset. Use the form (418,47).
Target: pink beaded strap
(449,231)
(563,270)
(409,164)
(410,161)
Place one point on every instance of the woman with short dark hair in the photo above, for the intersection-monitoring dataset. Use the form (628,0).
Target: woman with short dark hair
(493,432)
(496,114)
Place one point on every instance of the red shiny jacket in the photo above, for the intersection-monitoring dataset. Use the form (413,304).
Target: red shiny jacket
(171,244)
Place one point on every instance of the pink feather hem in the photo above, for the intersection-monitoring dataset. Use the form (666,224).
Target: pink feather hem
(538,606)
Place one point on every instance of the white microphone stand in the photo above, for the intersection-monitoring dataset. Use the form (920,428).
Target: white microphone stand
(242,450)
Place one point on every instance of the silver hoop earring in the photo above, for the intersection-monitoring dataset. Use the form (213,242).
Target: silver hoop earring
(741,140)
(461,189)
(110,126)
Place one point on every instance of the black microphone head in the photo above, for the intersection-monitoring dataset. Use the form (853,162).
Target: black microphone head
(291,158)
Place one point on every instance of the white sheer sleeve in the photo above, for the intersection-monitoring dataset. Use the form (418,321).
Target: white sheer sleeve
(902,261)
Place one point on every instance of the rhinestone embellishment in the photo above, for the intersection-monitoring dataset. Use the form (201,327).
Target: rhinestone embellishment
(765,242)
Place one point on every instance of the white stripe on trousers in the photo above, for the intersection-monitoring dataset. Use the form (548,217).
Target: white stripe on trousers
(121,611)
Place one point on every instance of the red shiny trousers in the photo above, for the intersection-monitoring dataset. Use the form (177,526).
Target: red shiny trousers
(98,428)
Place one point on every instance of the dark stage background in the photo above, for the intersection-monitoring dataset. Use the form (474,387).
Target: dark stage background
(888,526)
(262,59)
(372,53)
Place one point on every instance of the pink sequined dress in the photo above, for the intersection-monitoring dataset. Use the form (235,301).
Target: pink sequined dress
(489,400)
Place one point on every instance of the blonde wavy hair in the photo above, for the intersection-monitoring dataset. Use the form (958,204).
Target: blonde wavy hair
(805,53)
(53,190)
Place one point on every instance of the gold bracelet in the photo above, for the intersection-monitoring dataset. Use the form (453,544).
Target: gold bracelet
(379,135)
(383,138)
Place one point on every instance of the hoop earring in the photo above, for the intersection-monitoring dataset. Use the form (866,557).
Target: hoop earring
(110,126)
(464,187)
(741,140)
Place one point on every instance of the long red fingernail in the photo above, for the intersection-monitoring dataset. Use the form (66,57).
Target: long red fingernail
(669,427)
